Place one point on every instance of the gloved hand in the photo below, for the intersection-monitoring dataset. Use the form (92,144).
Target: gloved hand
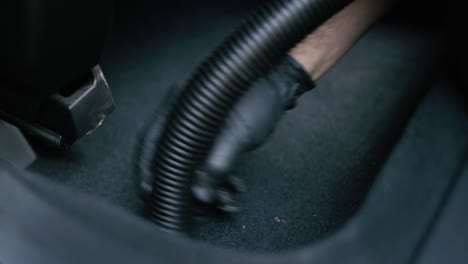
(248,125)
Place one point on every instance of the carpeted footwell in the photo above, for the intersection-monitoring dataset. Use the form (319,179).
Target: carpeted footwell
(316,170)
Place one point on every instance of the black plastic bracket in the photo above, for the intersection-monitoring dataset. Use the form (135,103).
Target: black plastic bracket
(79,109)
(75,111)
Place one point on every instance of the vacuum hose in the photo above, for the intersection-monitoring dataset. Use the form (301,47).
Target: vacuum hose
(258,44)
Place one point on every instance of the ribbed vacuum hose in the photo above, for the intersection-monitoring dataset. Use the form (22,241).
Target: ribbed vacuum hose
(260,42)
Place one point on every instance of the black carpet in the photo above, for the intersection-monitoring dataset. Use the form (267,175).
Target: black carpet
(315,171)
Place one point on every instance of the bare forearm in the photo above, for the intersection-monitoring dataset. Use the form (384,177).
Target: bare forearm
(326,45)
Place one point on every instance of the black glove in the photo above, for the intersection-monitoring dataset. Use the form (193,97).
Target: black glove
(248,125)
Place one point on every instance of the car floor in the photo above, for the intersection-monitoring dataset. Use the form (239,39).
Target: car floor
(316,170)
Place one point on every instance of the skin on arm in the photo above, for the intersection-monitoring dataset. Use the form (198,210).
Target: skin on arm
(319,51)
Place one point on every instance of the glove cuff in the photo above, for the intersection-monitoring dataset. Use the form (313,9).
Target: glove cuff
(291,80)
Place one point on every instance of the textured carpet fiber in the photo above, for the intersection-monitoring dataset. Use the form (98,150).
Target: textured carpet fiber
(315,171)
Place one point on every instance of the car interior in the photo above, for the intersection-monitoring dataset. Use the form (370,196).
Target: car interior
(369,167)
